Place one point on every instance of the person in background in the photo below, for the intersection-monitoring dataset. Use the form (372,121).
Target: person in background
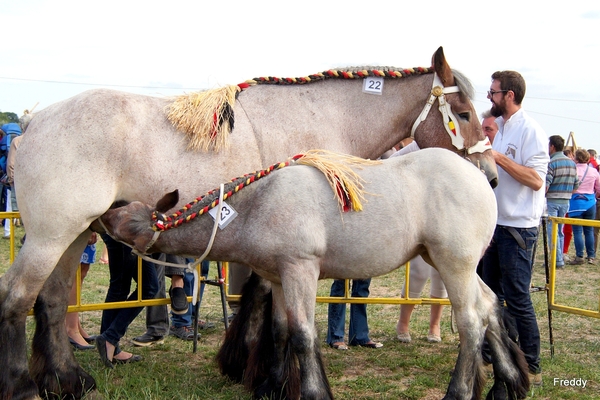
(123,267)
(583,205)
(358,331)
(593,162)
(78,337)
(488,124)
(567,228)
(9,131)
(157,317)
(520,150)
(419,272)
(561,181)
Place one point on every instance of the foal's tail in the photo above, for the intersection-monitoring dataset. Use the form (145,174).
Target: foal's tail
(244,357)
(511,379)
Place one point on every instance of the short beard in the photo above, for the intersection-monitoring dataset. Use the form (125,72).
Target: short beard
(496,110)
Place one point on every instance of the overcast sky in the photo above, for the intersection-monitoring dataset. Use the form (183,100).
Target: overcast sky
(55,49)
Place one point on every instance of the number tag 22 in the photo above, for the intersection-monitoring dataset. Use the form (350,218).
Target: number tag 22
(228,214)
(373,85)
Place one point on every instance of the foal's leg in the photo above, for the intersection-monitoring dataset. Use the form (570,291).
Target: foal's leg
(464,294)
(511,379)
(53,365)
(299,284)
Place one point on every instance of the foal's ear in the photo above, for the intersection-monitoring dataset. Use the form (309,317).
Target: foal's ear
(442,68)
(168,201)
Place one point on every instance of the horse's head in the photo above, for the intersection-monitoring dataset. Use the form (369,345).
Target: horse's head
(460,129)
(132,224)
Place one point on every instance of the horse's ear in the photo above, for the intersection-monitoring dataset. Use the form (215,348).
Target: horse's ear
(441,67)
(168,201)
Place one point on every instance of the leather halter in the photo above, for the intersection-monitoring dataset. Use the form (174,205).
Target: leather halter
(450,120)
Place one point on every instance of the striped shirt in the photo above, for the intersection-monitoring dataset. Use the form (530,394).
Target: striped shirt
(561,179)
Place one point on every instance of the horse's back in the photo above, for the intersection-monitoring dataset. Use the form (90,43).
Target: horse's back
(412,203)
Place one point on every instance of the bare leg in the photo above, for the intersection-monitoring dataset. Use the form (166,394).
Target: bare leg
(74,328)
(404,320)
(435,318)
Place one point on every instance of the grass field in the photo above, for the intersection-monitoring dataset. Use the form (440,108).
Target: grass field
(418,370)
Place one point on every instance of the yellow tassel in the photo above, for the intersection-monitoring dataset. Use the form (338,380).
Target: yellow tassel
(337,168)
(194,114)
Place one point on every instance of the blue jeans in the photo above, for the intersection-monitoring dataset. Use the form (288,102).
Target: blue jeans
(123,267)
(358,332)
(507,269)
(557,210)
(579,232)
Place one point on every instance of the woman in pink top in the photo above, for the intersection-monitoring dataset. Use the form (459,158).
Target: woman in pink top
(583,205)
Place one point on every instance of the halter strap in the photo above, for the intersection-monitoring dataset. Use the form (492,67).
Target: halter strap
(438,91)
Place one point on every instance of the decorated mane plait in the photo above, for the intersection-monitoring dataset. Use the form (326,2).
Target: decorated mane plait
(337,168)
(347,73)
(207,117)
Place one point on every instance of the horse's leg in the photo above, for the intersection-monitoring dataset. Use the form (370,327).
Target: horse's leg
(19,288)
(511,380)
(298,370)
(16,299)
(243,339)
(53,365)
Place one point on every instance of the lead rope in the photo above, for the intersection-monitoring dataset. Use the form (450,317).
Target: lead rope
(190,267)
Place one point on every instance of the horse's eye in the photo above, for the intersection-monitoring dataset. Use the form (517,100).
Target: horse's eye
(466,116)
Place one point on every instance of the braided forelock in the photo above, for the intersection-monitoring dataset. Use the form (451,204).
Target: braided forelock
(464,84)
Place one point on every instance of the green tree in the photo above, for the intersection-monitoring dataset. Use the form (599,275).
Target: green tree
(6,117)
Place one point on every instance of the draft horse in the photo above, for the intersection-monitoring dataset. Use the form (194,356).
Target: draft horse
(103,146)
(289,229)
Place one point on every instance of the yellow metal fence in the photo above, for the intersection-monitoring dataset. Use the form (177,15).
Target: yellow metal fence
(550,286)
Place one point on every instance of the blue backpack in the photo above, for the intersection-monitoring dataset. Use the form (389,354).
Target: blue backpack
(12,130)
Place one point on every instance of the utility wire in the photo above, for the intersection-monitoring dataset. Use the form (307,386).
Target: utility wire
(97,84)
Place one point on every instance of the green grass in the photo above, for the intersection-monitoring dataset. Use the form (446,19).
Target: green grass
(419,370)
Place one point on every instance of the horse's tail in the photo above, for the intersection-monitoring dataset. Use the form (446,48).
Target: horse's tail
(245,331)
(511,379)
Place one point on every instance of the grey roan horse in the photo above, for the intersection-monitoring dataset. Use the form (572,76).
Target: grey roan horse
(290,231)
(80,156)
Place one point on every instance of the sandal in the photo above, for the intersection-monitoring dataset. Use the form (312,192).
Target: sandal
(338,345)
(432,338)
(103,261)
(404,337)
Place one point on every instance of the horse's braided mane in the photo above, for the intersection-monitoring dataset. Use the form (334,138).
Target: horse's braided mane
(336,168)
(342,73)
(202,204)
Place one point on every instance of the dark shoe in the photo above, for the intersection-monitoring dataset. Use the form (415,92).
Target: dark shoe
(78,346)
(90,339)
(230,317)
(179,303)
(132,359)
(147,340)
(101,346)
(205,324)
(183,332)
(372,345)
